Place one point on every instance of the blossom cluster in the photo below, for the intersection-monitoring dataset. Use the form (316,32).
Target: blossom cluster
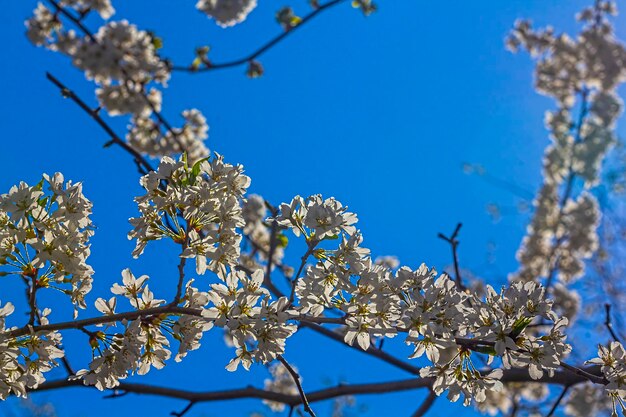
(257,326)
(441,321)
(227,12)
(612,360)
(144,134)
(125,64)
(142,343)
(562,233)
(44,236)
(24,360)
(199,202)
(584,71)
(196,206)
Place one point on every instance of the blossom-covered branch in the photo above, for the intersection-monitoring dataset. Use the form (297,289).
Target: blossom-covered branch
(489,346)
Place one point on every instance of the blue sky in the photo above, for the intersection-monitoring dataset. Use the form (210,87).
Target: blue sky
(380,112)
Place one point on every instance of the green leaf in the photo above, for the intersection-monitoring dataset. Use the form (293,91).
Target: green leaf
(489,350)
(195,170)
(157,42)
(39,185)
(282,240)
(519,326)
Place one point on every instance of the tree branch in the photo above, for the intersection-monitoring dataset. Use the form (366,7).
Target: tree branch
(181,269)
(608,323)
(426,405)
(454,243)
(296,380)
(512,375)
(558,401)
(184,410)
(142,164)
(264,48)
(79,324)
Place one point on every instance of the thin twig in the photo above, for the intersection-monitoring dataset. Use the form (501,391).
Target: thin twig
(142,164)
(426,405)
(294,282)
(454,243)
(184,410)
(66,364)
(32,302)
(558,401)
(608,323)
(296,380)
(264,48)
(583,373)
(273,243)
(77,21)
(181,269)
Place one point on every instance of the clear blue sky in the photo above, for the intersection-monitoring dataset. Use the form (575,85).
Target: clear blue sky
(380,112)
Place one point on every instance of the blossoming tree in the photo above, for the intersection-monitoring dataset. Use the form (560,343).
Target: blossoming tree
(502,350)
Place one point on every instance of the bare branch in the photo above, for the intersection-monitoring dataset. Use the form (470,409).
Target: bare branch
(372,351)
(184,410)
(296,380)
(76,20)
(454,243)
(311,244)
(426,405)
(251,392)
(558,401)
(608,323)
(272,248)
(142,164)
(181,269)
(511,375)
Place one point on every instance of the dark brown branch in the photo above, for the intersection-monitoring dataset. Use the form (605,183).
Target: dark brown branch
(251,392)
(454,243)
(426,405)
(283,268)
(184,410)
(311,244)
(272,248)
(608,323)
(558,401)
(296,380)
(181,269)
(372,351)
(511,375)
(77,21)
(32,302)
(264,48)
(80,324)
(142,164)
(594,377)
(66,365)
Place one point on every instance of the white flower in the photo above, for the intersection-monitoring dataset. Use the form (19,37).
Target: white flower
(226,12)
